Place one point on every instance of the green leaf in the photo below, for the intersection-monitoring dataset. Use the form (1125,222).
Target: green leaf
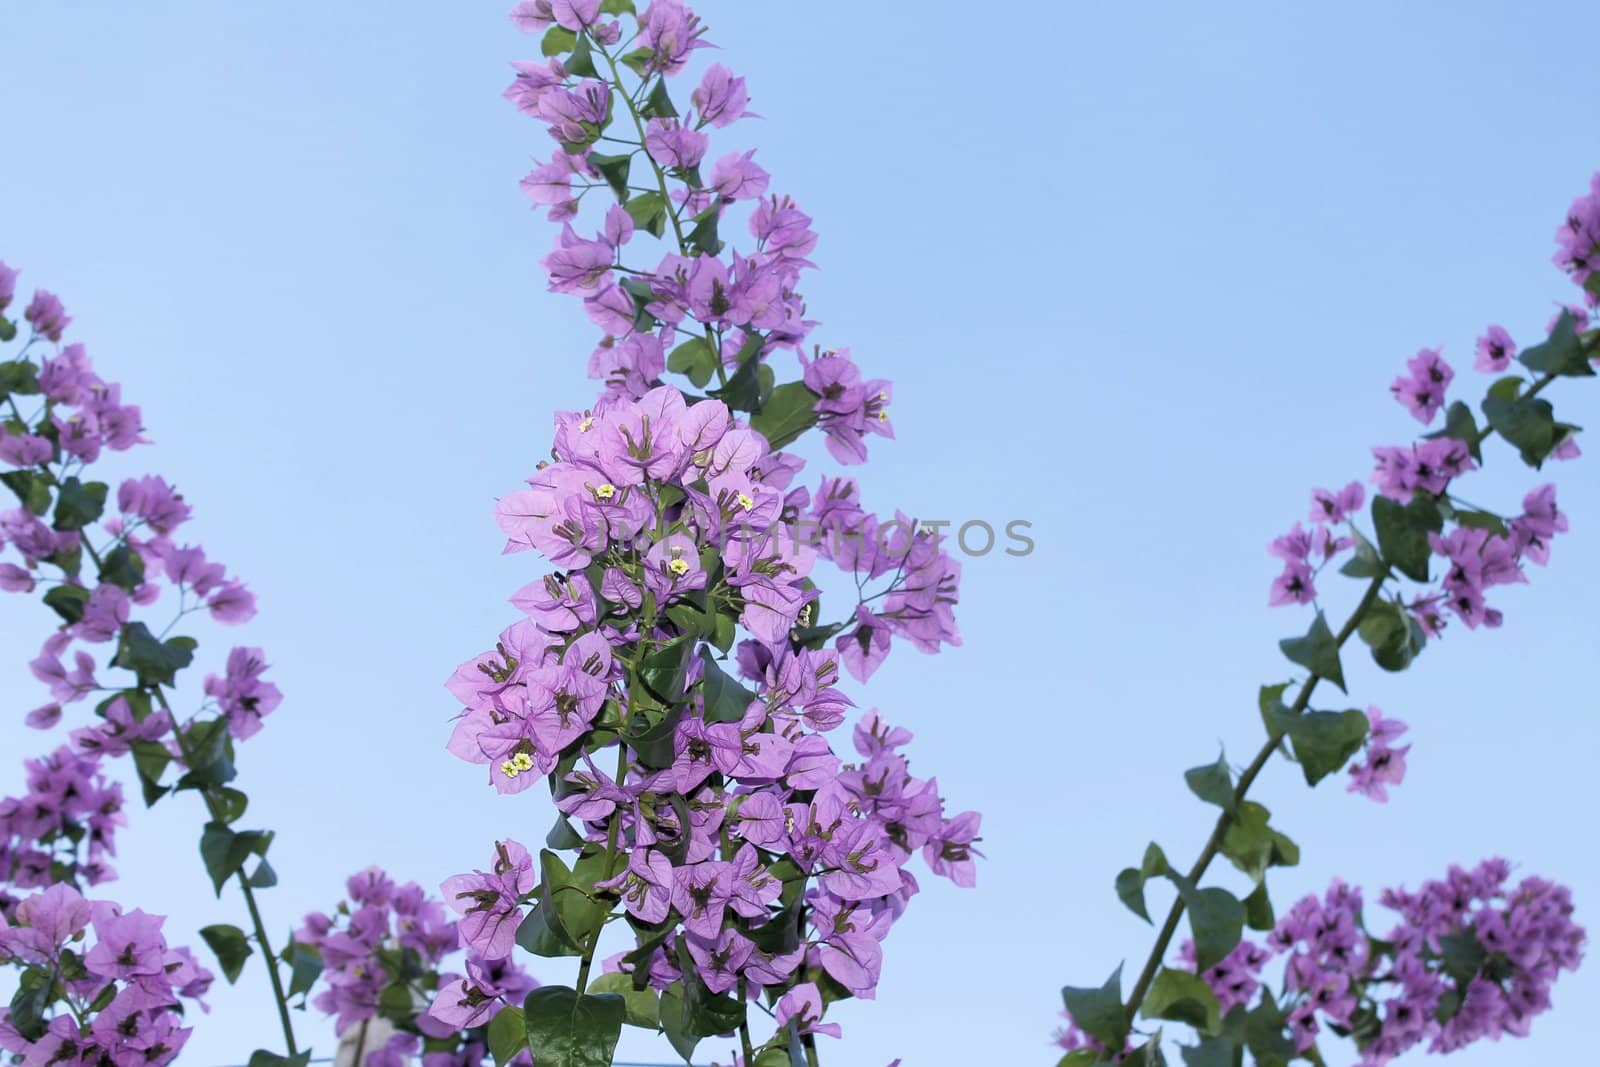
(1528,423)
(1099,1012)
(1148,1054)
(1216,919)
(1393,635)
(123,567)
(1324,741)
(614,169)
(711,1013)
(1212,783)
(225,851)
(540,933)
(150,760)
(264,876)
(703,236)
(155,662)
(562,837)
(1364,562)
(695,358)
(664,671)
(1482,520)
(1403,532)
(1261,1030)
(618,7)
(209,752)
(641,1007)
(568,1030)
(581,62)
(558,40)
(1253,846)
(1459,424)
(1130,882)
(1562,354)
(789,412)
(1317,651)
(262,1058)
(231,948)
(67,601)
(233,803)
(743,390)
(103,999)
(305,966)
(638,60)
(675,1022)
(1183,997)
(1258,913)
(508,1034)
(652,738)
(79,503)
(35,993)
(32,489)
(1213,1052)
(557,890)
(659,104)
(726,700)
(1083,1057)
(648,212)
(1462,955)
(17,376)
(8,329)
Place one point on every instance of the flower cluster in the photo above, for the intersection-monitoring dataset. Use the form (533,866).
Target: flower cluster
(697,780)
(114,997)
(1578,240)
(1385,764)
(383,953)
(696,310)
(96,557)
(1421,389)
(63,829)
(1483,549)
(1472,958)
(1499,950)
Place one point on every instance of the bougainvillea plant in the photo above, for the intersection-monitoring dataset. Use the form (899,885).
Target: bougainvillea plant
(105,564)
(675,682)
(1469,957)
(735,838)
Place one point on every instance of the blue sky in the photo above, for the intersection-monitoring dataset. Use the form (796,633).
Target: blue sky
(1141,277)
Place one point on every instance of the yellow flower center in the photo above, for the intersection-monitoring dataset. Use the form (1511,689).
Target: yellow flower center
(678,567)
(522,761)
(744,501)
(509,769)
(883,414)
(605,491)
(586,424)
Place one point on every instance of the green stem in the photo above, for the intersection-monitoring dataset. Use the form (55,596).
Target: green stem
(744,1027)
(1246,780)
(1214,844)
(272,964)
(361,1042)
(808,1042)
(661,185)
(214,807)
(588,961)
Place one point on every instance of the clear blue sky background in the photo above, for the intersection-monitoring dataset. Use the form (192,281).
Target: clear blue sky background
(1141,275)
